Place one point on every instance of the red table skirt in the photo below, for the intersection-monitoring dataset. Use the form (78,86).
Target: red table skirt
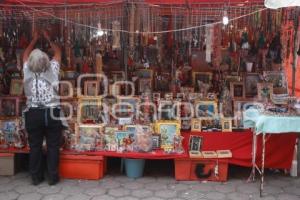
(279,147)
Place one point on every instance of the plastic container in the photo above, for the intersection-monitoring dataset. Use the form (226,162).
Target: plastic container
(134,168)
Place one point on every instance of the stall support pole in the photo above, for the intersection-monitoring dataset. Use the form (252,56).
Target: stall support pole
(254,142)
(263,163)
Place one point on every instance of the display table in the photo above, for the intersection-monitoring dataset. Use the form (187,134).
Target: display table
(273,125)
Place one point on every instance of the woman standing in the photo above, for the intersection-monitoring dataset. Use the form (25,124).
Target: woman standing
(41,78)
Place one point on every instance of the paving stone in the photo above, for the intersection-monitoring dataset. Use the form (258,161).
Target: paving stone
(128,198)
(119,192)
(78,197)
(71,190)
(21,182)
(30,196)
(288,197)
(202,187)
(192,195)
(87,184)
(4,180)
(166,180)
(167,194)
(23,189)
(133,185)
(248,188)
(109,184)
(49,189)
(156,186)
(124,179)
(54,197)
(238,196)
(68,182)
(153,198)
(224,188)
(264,197)
(20,175)
(142,193)
(8,195)
(273,190)
(146,180)
(103,197)
(279,183)
(6,187)
(293,190)
(178,187)
(215,195)
(95,191)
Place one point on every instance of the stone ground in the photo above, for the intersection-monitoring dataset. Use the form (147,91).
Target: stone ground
(153,186)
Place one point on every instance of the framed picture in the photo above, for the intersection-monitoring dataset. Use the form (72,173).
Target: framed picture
(156,96)
(180,96)
(125,140)
(9,106)
(278,79)
(10,128)
(165,110)
(237,90)
(145,73)
(145,84)
(115,89)
(69,107)
(117,76)
(200,78)
(91,111)
(196,124)
(206,109)
(265,90)
(133,128)
(168,96)
(89,137)
(195,143)
(226,125)
(67,88)
(167,131)
(162,82)
(130,104)
(156,140)
(91,88)
(16,87)
(110,138)
(250,82)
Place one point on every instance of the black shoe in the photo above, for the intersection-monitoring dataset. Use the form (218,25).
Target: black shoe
(53,181)
(37,181)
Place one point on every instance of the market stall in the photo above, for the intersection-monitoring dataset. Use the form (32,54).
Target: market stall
(154,79)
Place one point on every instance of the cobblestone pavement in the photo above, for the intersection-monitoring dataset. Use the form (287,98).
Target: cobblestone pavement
(112,187)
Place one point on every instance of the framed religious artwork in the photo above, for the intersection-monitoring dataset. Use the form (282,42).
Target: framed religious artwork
(91,88)
(67,88)
(226,124)
(16,87)
(115,89)
(69,108)
(167,129)
(162,82)
(110,138)
(135,128)
(145,73)
(89,137)
(145,84)
(265,91)
(206,109)
(10,129)
(129,103)
(91,111)
(9,106)
(156,96)
(125,140)
(201,79)
(237,90)
(169,96)
(278,79)
(195,143)
(166,110)
(156,141)
(250,82)
(196,124)
(117,76)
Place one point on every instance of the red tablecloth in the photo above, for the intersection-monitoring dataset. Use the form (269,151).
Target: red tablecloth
(279,147)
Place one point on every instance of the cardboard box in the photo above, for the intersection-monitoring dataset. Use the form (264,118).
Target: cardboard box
(7,164)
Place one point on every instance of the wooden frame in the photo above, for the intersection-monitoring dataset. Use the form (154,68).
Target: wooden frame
(205,77)
(92,114)
(195,143)
(237,90)
(10,128)
(145,73)
(117,75)
(208,109)
(16,87)
(9,106)
(226,124)
(67,92)
(163,82)
(66,104)
(162,110)
(91,88)
(168,96)
(144,83)
(196,124)
(263,89)
(250,83)
(110,138)
(278,79)
(167,129)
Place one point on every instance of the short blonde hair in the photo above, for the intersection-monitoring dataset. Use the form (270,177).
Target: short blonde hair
(38,61)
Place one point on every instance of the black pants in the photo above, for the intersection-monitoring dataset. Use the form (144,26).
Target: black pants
(40,124)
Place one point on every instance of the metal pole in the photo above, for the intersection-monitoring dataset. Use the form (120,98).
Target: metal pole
(263,164)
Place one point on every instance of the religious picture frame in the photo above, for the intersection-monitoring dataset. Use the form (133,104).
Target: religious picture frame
(196,124)
(166,110)
(250,82)
(89,137)
(204,77)
(167,129)
(168,96)
(91,111)
(125,140)
(144,84)
(10,129)
(206,109)
(91,88)
(9,106)
(156,141)
(156,96)
(69,107)
(145,73)
(265,91)
(66,89)
(195,143)
(279,81)
(226,124)
(16,87)
(117,76)
(237,90)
